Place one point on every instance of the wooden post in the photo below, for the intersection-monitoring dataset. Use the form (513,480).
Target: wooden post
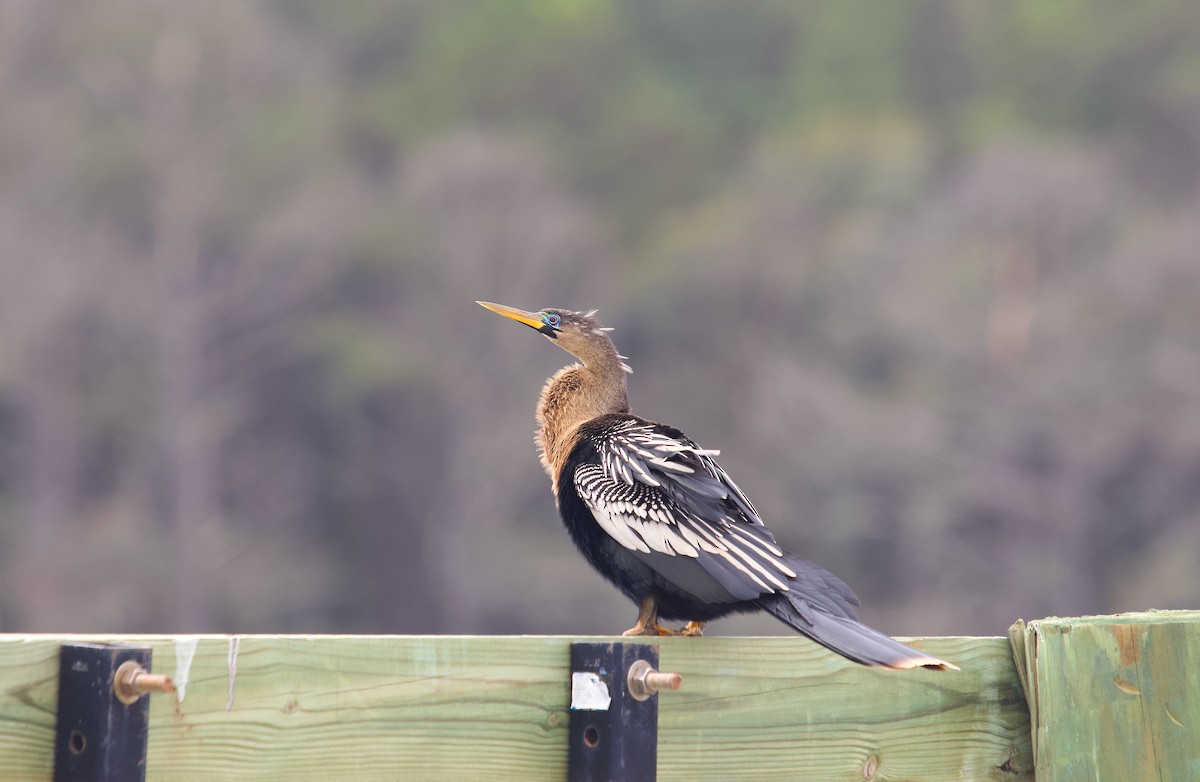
(1113,697)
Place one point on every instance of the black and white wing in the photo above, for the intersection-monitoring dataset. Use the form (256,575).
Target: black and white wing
(662,497)
(666,502)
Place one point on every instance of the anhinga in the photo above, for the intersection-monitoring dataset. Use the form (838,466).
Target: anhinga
(658,517)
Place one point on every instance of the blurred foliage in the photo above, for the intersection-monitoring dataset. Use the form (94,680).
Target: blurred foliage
(924,271)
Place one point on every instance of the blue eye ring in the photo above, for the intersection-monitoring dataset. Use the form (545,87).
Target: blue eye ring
(552,319)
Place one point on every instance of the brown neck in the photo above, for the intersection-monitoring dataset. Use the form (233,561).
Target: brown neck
(576,394)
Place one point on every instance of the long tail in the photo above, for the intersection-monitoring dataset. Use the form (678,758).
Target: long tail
(819,606)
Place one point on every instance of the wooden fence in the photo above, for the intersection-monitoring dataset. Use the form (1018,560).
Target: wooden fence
(1109,698)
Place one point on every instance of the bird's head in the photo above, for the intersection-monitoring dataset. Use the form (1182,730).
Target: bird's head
(578,333)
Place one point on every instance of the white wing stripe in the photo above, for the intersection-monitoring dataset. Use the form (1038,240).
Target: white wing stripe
(626,495)
(754,563)
(761,546)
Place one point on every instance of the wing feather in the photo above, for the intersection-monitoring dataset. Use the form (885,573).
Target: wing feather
(658,494)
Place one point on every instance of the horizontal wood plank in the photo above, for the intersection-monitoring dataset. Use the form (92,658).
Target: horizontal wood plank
(446,707)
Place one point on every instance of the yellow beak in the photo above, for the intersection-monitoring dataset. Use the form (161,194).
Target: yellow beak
(530,319)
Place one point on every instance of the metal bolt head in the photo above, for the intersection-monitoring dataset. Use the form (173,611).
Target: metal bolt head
(643,681)
(132,681)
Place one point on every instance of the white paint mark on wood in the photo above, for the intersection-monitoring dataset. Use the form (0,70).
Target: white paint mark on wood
(185,650)
(233,650)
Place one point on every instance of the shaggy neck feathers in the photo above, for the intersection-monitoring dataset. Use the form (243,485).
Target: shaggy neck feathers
(577,394)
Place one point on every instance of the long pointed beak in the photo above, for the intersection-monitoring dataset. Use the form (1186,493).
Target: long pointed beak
(531,319)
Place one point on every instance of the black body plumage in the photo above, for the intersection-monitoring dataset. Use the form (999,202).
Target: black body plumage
(656,515)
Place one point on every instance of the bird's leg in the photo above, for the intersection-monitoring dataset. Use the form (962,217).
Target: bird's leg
(693,629)
(647,621)
(647,618)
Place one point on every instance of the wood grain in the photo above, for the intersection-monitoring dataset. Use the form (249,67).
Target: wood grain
(1114,697)
(409,707)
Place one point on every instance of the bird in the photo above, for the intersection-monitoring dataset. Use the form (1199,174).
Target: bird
(658,517)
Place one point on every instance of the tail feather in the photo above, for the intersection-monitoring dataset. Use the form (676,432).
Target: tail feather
(846,636)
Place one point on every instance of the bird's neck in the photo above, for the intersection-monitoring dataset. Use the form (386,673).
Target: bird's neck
(573,396)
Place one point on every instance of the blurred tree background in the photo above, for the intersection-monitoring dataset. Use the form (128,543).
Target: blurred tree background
(927,273)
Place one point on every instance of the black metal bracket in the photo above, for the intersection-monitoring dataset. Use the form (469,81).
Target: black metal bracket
(99,738)
(613,732)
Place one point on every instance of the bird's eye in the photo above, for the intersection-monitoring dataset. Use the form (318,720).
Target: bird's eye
(552,318)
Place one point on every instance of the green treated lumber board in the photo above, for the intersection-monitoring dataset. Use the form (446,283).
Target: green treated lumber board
(495,707)
(784,708)
(1113,697)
